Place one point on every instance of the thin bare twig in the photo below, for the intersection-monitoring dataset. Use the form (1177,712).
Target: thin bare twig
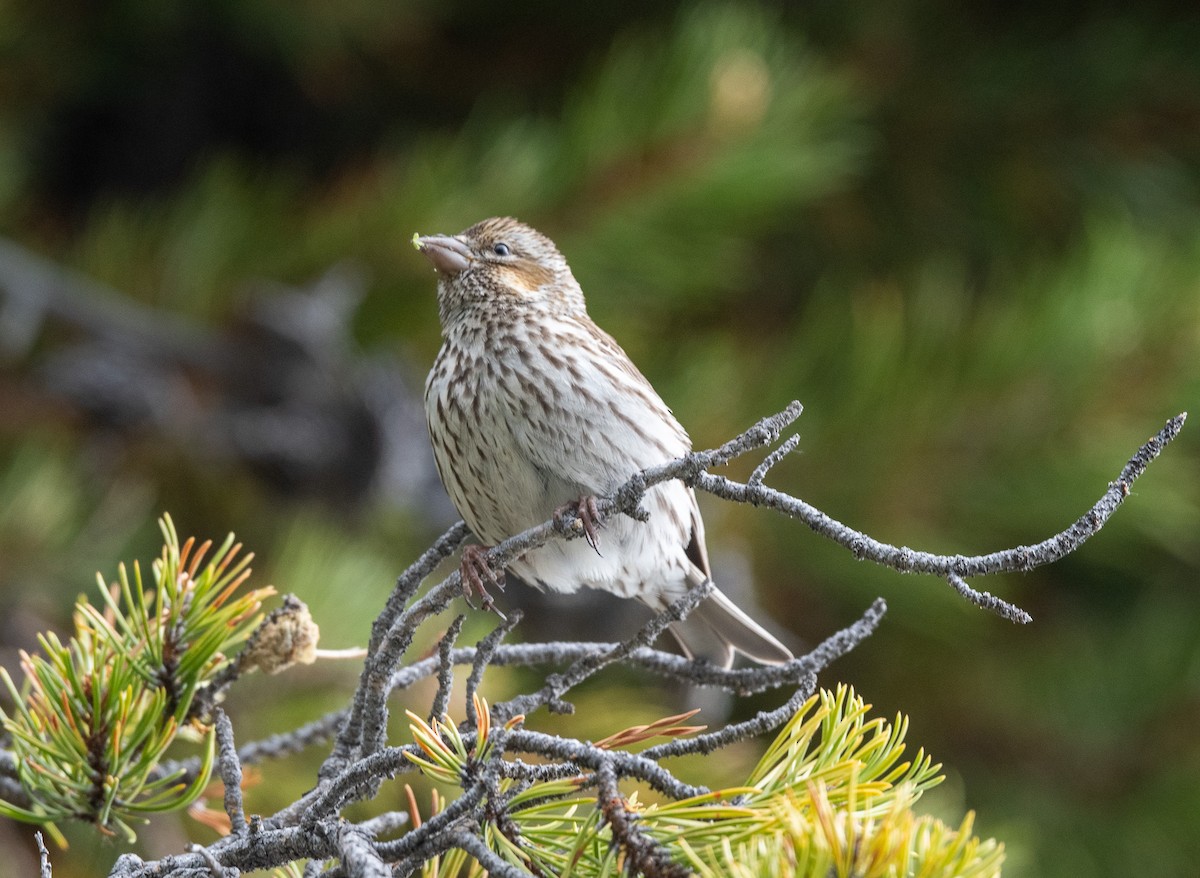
(45,870)
(484,656)
(773,459)
(215,869)
(230,770)
(586,666)
(761,723)
(445,675)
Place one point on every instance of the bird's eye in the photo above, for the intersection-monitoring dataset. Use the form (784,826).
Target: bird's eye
(501,249)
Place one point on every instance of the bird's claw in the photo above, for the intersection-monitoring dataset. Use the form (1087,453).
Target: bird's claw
(585,516)
(474,570)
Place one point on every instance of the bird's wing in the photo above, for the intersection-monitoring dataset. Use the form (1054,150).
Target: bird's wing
(595,419)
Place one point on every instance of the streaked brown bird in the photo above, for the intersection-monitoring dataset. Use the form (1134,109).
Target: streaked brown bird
(531,406)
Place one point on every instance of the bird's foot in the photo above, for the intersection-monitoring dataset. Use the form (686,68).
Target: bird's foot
(474,571)
(582,516)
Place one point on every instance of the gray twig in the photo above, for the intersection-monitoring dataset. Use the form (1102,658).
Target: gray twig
(761,723)
(489,859)
(772,459)
(463,809)
(230,770)
(445,676)
(359,856)
(485,655)
(215,869)
(988,601)
(357,781)
(271,747)
(385,823)
(45,870)
(589,756)
(586,666)
(646,856)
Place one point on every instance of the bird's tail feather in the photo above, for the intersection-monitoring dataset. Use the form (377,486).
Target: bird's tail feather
(717,629)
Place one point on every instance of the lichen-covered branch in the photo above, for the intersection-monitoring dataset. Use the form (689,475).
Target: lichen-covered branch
(483,754)
(951,567)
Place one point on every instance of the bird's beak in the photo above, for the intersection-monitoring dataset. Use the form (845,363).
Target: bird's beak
(449,256)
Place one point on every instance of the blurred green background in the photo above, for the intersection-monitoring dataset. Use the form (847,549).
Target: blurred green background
(965,236)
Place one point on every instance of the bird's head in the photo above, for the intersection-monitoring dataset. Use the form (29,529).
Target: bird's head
(499,263)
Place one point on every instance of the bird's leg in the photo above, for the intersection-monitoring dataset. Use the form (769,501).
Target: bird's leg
(582,515)
(474,570)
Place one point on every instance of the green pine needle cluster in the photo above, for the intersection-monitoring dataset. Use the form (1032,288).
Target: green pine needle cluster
(97,713)
(832,796)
